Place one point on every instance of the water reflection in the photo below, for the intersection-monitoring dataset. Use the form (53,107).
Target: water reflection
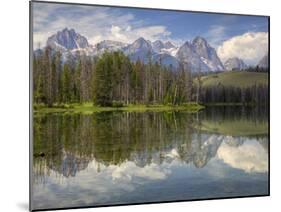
(112,157)
(249,156)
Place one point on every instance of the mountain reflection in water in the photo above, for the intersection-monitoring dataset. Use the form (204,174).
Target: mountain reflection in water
(104,152)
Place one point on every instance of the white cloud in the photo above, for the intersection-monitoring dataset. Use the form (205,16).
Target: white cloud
(250,157)
(95,23)
(103,186)
(129,34)
(128,170)
(251,47)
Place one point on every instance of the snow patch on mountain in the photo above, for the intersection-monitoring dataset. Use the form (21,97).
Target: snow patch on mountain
(67,39)
(207,54)
(197,55)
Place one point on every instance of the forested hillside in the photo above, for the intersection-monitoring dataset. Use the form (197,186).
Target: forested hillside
(248,86)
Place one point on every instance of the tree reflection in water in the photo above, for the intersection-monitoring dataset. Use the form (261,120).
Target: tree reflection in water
(67,143)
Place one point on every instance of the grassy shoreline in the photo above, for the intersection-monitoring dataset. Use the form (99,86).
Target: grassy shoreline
(90,108)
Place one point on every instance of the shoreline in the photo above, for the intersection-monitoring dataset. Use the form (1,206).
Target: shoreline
(90,108)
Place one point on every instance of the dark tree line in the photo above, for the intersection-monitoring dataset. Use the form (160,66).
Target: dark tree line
(257,69)
(114,80)
(107,80)
(255,94)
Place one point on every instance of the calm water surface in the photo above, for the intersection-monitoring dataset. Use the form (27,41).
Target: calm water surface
(120,157)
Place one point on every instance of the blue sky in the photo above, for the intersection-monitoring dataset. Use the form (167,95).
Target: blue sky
(127,24)
(187,25)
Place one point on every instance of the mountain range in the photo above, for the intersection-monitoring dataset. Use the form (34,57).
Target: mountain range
(263,63)
(197,55)
(234,63)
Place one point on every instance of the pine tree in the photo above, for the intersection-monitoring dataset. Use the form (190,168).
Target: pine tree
(47,77)
(65,84)
(102,81)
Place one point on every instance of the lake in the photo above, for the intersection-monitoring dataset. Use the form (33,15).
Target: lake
(112,158)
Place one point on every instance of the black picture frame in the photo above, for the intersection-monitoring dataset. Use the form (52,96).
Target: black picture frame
(31,102)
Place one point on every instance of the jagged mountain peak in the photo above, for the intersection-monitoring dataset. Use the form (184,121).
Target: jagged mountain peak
(200,41)
(263,63)
(161,47)
(140,49)
(207,54)
(234,63)
(141,43)
(67,39)
(141,39)
(169,45)
(198,54)
(187,44)
(202,47)
(71,30)
(158,45)
(188,56)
